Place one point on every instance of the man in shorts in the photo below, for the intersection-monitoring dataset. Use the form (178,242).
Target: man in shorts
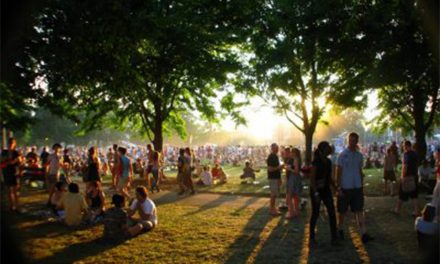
(10,162)
(146,210)
(410,163)
(274,175)
(125,173)
(54,164)
(349,178)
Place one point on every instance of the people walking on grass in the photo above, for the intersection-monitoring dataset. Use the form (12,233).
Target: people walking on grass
(115,161)
(187,179)
(350,183)
(9,165)
(294,182)
(321,183)
(408,179)
(274,169)
(150,162)
(125,173)
(53,168)
(389,172)
(93,166)
(155,171)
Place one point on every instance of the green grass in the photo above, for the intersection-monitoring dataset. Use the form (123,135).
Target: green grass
(218,232)
(373,183)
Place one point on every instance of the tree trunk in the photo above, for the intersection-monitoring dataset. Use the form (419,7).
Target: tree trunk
(419,123)
(421,146)
(158,134)
(308,133)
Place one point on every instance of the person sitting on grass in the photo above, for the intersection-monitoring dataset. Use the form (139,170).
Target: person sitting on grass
(427,234)
(115,220)
(95,199)
(248,172)
(74,206)
(218,175)
(146,210)
(58,193)
(205,177)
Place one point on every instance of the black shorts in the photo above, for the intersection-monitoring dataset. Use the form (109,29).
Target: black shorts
(353,198)
(405,196)
(11,180)
(389,175)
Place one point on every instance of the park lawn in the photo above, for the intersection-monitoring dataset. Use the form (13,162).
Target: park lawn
(373,183)
(219,233)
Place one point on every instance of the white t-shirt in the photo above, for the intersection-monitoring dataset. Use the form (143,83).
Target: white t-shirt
(148,207)
(54,163)
(206,178)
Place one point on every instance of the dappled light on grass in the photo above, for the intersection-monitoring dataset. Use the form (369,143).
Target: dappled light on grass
(305,250)
(359,246)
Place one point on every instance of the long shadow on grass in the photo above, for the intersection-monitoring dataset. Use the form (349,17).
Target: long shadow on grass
(214,203)
(249,239)
(347,252)
(78,251)
(248,202)
(284,244)
(169,197)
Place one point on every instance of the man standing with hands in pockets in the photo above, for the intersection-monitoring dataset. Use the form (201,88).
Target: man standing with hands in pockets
(350,179)
(274,169)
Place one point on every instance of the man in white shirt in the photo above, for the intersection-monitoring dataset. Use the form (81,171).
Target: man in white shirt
(146,210)
(53,167)
(349,179)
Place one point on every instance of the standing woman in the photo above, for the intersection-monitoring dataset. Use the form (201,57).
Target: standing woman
(389,171)
(93,166)
(181,171)
(320,182)
(294,184)
(155,169)
(187,171)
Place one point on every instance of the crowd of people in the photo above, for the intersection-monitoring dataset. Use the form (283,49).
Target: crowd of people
(331,176)
(341,176)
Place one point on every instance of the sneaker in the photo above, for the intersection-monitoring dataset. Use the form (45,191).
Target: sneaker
(181,193)
(366,238)
(341,234)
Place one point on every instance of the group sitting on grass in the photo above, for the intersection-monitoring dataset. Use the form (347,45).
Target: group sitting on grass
(74,209)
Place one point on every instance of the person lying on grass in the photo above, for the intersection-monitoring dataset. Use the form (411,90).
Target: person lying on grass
(74,206)
(146,210)
(115,220)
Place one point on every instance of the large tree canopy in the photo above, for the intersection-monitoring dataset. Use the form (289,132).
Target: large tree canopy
(144,61)
(397,53)
(293,42)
